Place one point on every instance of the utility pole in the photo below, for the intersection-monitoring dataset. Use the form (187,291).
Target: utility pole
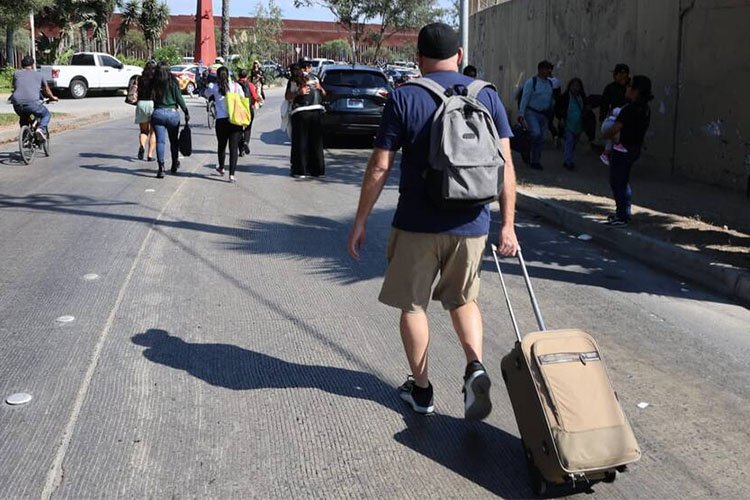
(33,38)
(465,31)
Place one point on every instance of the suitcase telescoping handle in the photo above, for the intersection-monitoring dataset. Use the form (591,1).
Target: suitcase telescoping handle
(534,303)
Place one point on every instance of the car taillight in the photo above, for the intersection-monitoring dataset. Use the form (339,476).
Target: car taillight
(55,73)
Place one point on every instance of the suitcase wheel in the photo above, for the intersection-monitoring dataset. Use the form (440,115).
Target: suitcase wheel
(538,484)
(610,476)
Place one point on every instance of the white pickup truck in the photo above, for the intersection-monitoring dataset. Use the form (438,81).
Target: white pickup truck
(89,71)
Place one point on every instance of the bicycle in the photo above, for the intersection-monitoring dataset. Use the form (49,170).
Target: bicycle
(28,142)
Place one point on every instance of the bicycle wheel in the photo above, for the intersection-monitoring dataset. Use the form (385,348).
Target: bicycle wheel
(211,114)
(26,144)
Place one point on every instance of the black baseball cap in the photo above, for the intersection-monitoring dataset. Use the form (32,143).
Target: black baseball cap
(437,41)
(621,68)
(27,62)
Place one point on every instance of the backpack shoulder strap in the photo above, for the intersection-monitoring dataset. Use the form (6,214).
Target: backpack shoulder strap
(533,85)
(476,87)
(431,85)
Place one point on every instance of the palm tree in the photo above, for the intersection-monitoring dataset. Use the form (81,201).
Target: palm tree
(151,17)
(225,29)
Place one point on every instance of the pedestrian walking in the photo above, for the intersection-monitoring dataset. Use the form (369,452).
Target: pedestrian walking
(165,118)
(258,78)
(631,125)
(226,132)
(251,93)
(306,94)
(569,111)
(144,108)
(536,108)
(427,241)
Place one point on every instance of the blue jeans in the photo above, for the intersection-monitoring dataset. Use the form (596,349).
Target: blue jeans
(537,124)
(620,165)
(571,139)
(166,121)
(37,109)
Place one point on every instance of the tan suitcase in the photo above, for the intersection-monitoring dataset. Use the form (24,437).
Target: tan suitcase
(570,420)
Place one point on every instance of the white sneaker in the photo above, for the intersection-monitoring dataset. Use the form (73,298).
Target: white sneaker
(40,135)
(232,179)
(604,159)
(619,147)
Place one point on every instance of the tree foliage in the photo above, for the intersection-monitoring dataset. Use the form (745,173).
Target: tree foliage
(394,16)
(183,42)
(151,17)
(336,49)
(262,41)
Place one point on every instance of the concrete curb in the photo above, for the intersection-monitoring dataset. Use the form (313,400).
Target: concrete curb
(61,125)
(723,278)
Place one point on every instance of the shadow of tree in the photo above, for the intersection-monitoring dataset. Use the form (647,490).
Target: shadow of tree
(483,454)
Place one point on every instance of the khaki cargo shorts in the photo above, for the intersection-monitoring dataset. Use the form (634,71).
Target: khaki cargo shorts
(414,261)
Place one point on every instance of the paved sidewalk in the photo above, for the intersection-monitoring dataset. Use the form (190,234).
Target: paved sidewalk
(695,230)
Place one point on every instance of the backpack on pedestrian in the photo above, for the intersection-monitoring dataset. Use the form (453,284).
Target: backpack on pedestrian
(465,162)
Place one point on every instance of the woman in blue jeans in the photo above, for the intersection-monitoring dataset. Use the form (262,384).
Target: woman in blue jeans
(166,118)
(632,124)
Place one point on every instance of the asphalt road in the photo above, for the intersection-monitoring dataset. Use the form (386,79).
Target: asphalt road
(228,346)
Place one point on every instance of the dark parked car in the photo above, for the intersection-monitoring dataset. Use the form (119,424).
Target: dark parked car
(356,96)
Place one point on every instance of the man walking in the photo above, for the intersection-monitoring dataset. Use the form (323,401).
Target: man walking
(613,95)
(425,240)
(535,109)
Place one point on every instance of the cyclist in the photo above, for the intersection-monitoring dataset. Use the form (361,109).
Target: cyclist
(27,84)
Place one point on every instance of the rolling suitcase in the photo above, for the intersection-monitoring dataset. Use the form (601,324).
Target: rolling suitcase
(570,420)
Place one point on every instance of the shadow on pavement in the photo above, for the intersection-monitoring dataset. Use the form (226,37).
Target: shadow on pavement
(107,156)
(481,453)
(138,172)
(320,242)
(10,158)
(276,137)
(566,259)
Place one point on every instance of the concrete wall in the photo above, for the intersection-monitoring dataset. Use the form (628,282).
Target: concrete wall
(586,38)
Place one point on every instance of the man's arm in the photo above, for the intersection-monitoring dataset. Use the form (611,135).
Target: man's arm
(46,90)
(527,91)
(508,240)
(375,177)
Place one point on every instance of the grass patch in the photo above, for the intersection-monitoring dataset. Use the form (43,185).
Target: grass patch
(7,119)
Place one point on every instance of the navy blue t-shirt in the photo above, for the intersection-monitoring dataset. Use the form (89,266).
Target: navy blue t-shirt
(406,123)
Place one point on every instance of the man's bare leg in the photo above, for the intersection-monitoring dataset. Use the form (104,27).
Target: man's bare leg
(467,321)
(415,335)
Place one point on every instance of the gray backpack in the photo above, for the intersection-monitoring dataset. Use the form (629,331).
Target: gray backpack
(465,161)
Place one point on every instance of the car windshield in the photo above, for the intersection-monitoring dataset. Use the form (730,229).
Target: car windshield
(177,68)
(348,78)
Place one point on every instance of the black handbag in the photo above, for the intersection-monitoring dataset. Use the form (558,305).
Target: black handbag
(185,141)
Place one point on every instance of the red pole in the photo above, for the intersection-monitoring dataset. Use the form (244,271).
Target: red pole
(205,39)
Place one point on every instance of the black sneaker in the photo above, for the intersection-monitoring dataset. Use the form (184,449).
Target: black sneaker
(477,404)
(140,152)
(418,398)
(616,222)
(536,166)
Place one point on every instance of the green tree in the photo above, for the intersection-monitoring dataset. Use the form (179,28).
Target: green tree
(151,17)
(353,15)
(13,15)
(336,49)
(168,53)
(184,42)
(397,16)
(262,41)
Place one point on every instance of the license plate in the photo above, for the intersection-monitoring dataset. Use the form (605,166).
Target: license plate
(355,103)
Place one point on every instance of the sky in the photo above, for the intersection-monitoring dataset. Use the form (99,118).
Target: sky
(247,8)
